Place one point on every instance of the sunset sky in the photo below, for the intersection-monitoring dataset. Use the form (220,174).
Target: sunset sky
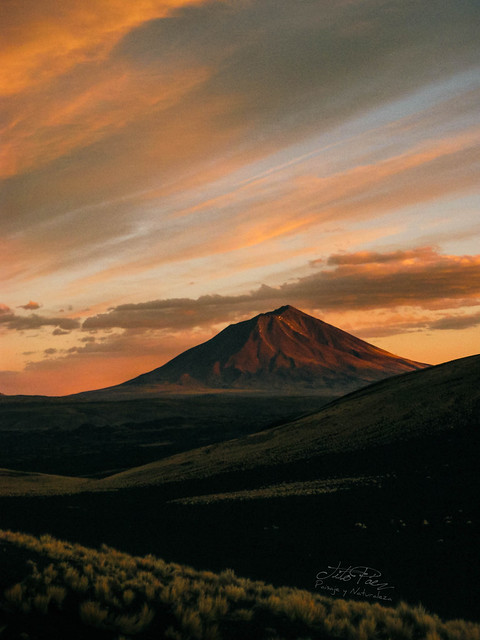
(169,167)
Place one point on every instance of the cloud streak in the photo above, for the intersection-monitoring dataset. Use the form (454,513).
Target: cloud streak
(241,73)
(456,322)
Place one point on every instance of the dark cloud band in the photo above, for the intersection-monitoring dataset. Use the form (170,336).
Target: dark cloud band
(421,278)
(14,322)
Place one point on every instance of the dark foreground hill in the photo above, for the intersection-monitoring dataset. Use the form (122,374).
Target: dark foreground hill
(283,349)
(69,591)
(380,423)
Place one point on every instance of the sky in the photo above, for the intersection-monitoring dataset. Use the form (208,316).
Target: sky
(169,167)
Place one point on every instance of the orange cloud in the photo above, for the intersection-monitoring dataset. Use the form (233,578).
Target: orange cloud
(373,189)
(420,255)
(64,91)
(57,123)
(42,41)
(30,306)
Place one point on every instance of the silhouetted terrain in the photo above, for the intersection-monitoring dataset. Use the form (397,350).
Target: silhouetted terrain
(385,477)
(76,437)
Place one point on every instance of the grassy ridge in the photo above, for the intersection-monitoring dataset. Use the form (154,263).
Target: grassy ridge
(60,590)
(284,489)
(23,483)
(431,404)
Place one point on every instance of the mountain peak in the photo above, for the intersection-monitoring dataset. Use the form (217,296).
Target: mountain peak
(284,349)
(282,310)
(286,309)
(287,312)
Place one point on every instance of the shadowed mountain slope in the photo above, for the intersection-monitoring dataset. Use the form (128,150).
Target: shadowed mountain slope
(283,349)
(422,407)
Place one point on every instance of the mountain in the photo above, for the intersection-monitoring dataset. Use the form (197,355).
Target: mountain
(282,349)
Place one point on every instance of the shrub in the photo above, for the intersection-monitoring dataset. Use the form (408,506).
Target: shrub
(191,624)
(234,592)
(136,623)
(15,595)
(93,614)
(41,602)
(56,594)
(128,597)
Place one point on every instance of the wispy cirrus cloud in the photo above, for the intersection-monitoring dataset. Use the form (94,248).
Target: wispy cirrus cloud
(207,85)
(272,208)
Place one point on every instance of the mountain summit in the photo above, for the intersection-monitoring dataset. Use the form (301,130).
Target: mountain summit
(284,349)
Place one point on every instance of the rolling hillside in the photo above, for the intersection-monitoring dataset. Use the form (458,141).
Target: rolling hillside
(398,412)
(21,483)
